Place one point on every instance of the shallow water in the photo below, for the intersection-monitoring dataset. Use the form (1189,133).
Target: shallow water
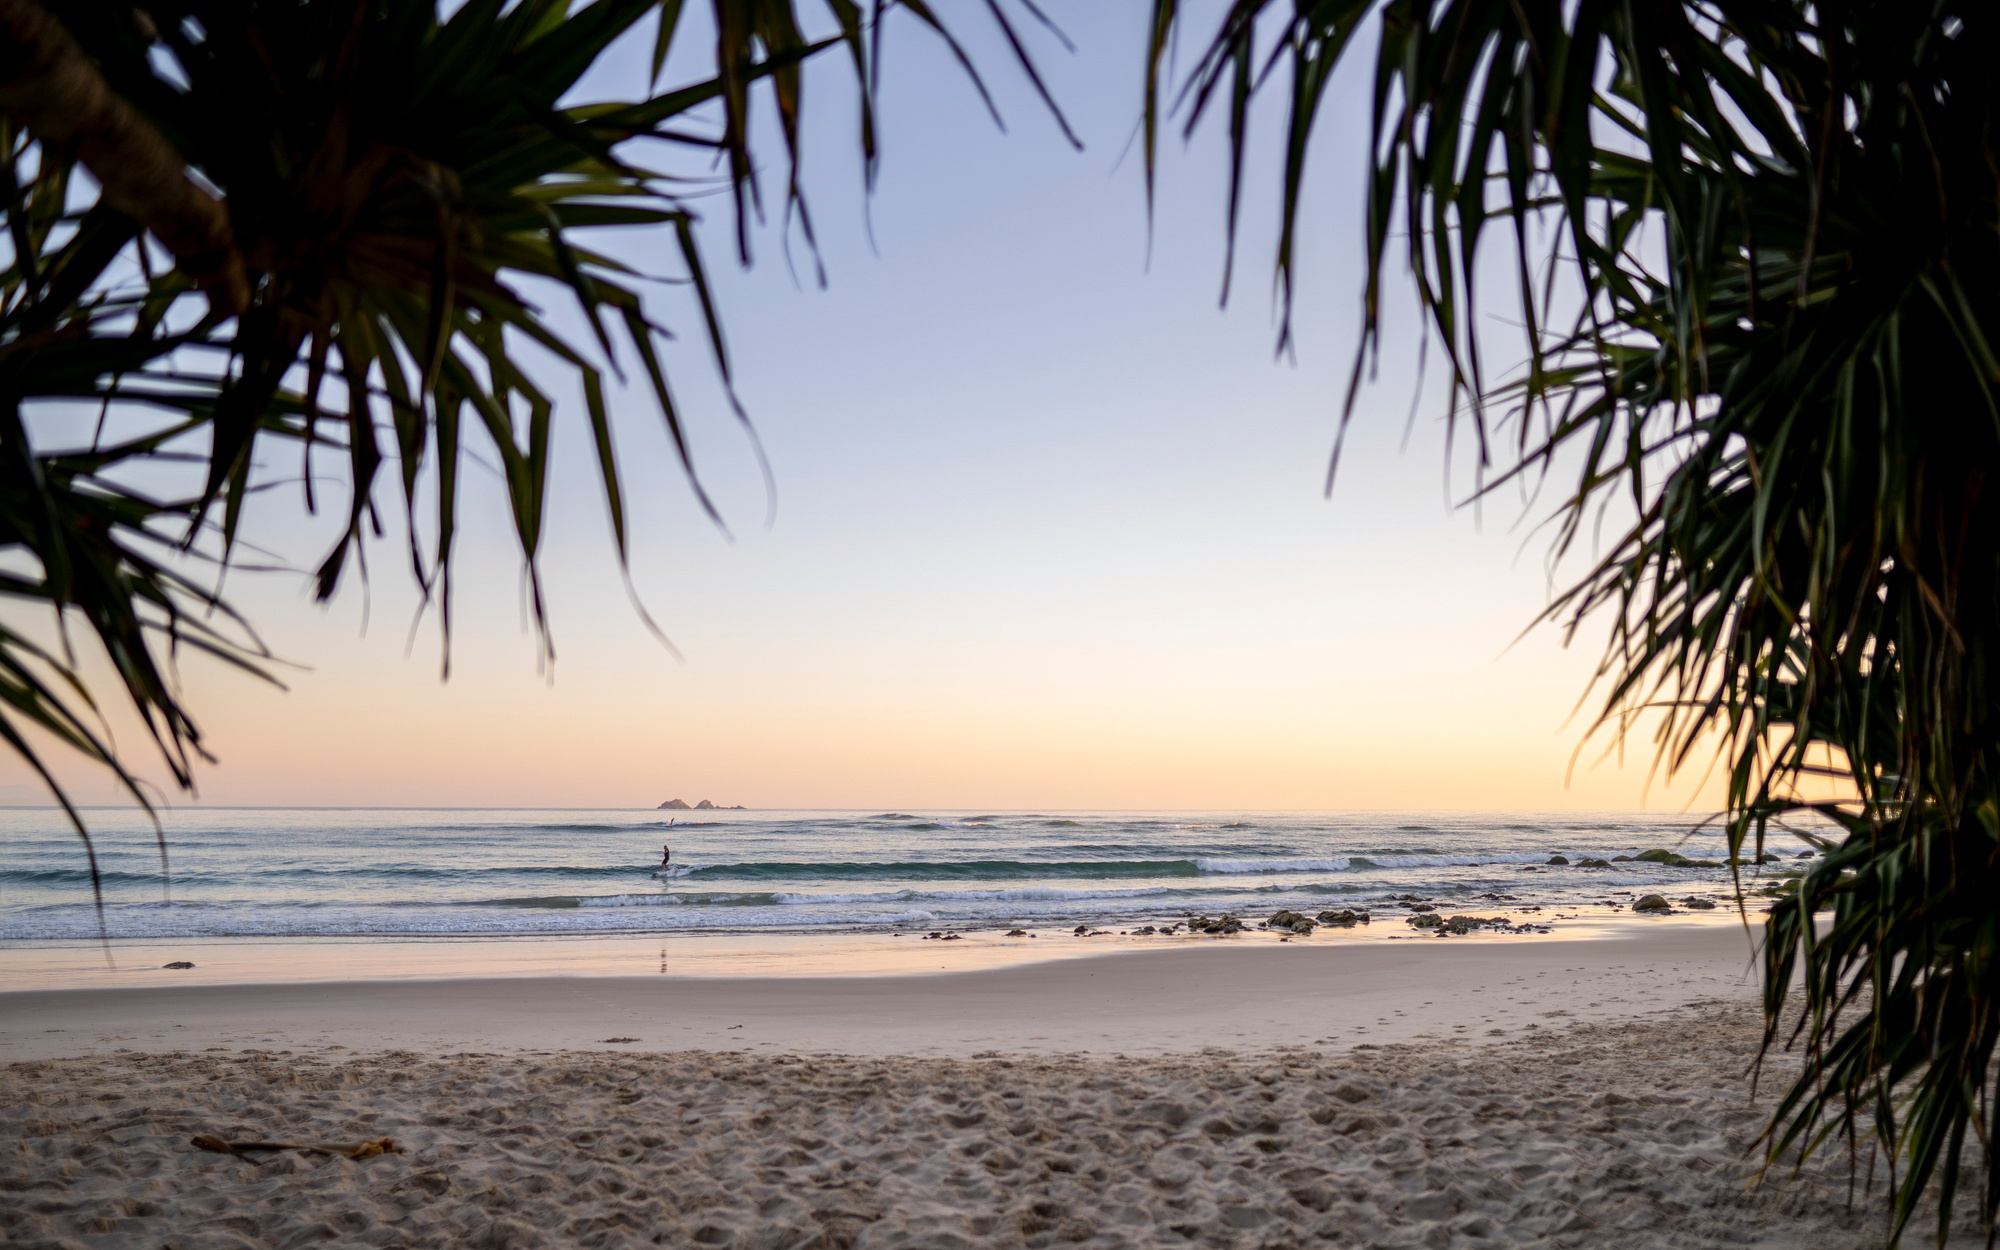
(365,873)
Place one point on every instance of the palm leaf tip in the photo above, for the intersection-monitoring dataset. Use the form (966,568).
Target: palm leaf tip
(1763,331)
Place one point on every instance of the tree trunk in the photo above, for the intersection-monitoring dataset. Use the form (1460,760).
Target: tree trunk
(51,87)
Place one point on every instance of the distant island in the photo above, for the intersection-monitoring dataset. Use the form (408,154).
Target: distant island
(680,805)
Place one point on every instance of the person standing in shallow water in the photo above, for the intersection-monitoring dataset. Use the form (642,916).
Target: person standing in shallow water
(666,854)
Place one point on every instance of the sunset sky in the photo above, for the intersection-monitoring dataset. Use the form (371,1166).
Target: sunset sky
(1049,526)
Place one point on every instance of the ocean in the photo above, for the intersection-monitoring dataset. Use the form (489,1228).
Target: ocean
(361,873)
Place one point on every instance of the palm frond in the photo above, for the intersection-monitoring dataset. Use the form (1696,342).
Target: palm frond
(316,224)
(1769,327)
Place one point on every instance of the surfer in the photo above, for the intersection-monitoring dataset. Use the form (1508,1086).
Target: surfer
(666,855)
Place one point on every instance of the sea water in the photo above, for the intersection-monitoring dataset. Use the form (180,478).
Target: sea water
(361,873)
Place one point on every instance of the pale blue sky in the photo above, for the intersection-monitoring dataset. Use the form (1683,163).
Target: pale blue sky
(1050,529)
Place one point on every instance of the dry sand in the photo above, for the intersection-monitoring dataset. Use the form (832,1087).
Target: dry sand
(1629,1135)
(1632,1128)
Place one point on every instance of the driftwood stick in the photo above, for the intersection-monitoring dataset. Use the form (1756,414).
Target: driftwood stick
(350,1150)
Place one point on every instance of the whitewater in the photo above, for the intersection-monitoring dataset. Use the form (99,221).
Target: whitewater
(264,873)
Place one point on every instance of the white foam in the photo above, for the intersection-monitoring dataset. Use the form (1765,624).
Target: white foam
(796,898)
(281,923)
(1245,866)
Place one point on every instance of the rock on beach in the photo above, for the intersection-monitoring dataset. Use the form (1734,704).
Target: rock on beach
(1225,925)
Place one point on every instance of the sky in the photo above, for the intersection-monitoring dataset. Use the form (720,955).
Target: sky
(1049,527)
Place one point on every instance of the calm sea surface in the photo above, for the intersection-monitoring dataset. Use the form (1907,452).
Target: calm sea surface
(425,873)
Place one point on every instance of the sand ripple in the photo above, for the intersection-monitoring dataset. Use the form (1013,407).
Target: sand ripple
(1630,1135)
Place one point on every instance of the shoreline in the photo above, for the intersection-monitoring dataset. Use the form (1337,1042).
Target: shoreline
(36,964)
(1234,995)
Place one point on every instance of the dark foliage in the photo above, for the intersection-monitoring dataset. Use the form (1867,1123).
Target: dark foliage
(1768,327)
(394,183)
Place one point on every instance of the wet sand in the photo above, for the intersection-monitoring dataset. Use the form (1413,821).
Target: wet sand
(1235,993)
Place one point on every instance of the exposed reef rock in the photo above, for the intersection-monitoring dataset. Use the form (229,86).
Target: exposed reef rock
(1672,860)
(1292,921)
(1458,926)
(1227,924)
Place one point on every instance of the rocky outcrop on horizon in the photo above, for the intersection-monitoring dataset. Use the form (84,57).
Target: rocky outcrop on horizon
(673,805)
(680,805)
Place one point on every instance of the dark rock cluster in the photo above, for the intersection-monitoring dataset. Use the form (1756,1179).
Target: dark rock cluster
(1226,924)
(1458,926)
(1658,855)
(1672,860)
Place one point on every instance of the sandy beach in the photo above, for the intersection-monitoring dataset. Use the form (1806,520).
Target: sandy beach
(1548,1093)
(1072,729)
(1249,992)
